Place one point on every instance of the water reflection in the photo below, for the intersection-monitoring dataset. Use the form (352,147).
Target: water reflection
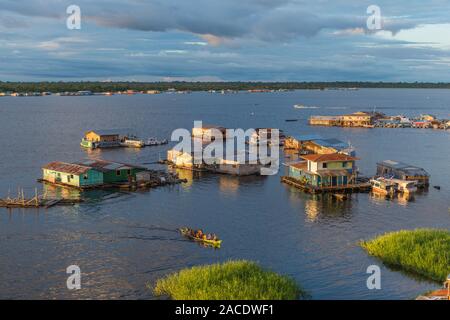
(404,198)
(228,184)
(320,206)
(401,198)
(188,175)
(54,191)
(94,195)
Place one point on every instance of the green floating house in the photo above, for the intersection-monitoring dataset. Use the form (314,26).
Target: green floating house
(90,173)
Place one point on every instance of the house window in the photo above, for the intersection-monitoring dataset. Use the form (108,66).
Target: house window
(344,164)
(85,177)
(129,172)
(118,173)
(71,176)
(324,165)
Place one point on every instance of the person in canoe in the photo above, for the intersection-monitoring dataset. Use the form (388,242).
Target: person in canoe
(199,234)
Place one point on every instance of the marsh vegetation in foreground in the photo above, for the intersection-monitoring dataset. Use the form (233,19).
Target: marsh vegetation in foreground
(425,252)
(232,280)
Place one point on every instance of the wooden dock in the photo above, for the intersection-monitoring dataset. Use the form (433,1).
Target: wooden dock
(38,201)
(349,188)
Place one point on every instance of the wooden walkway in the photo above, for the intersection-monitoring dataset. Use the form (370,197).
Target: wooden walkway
(350,188)
(38,201)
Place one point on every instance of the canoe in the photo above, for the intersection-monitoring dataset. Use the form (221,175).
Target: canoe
(185,232)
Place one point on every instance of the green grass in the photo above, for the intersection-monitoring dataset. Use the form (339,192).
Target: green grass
(232,280)
(425,252)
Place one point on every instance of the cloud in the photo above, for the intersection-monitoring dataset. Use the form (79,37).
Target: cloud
(221,21)
(273,40)
(196,43)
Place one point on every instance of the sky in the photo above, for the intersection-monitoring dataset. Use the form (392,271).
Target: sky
(225,40)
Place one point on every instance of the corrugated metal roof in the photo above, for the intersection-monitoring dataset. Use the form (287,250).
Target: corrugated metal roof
(410,169)
(111,132)
(325,117)
(67,167)
(306,137)
(333,143)
(299,165)
(333,173)
(105,166)
(328,157)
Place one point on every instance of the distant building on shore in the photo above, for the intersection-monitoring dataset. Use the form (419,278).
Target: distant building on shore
(357,119)
(325,120)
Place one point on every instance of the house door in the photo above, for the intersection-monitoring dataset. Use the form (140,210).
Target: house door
(344,180)
(334,181)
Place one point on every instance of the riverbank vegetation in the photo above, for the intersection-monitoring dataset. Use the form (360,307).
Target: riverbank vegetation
(425,252)
(232,280)
(109,86)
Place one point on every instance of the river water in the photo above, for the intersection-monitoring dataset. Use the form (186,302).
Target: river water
(124,241)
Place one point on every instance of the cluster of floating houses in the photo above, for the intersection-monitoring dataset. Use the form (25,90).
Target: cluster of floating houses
(321,164)
(329,165)
(376,119)
(317,165)
(215,163)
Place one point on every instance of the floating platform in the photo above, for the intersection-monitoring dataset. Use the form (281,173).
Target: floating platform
(36,203)
(146,179)
(350,188)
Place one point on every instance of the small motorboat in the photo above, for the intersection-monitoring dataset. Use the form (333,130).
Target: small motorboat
(383,186)
(189,233)
(133,142)
(405,186)
(155,142)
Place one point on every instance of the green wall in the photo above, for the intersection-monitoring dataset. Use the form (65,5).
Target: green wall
(112,177)
(92,178)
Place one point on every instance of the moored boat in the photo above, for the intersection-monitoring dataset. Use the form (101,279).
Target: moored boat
(155,142)
(88,144)
(133,142)
(383,186)
(405,186)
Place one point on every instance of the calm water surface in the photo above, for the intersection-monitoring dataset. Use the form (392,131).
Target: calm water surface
(125,241)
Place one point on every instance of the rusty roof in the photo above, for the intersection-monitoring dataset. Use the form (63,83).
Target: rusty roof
(299,165)
(105,166)
(66,167)
(328,157)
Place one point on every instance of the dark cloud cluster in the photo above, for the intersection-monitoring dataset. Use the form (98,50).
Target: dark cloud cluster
(267,20)
(218,39)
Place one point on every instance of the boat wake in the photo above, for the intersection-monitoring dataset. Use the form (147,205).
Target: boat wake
(300,106)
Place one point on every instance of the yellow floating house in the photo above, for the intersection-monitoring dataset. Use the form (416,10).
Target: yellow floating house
(324,173)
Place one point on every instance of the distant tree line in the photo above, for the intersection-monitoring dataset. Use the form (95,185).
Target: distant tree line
(202,86)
